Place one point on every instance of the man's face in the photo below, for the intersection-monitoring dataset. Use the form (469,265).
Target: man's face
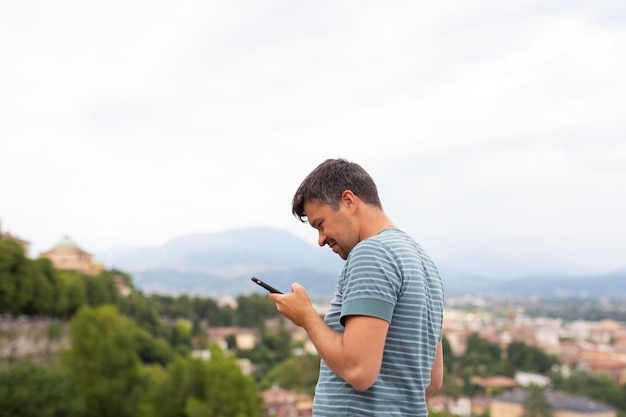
(336,228)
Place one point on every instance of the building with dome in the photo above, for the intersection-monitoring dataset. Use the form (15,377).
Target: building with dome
(67,255)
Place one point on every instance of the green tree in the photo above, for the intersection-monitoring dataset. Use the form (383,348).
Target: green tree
(536,404)
(601,388)
(173,390)
(16,279)
(145,314)
(529,358)
(27,390)
(153,349)
(104,360)
(297,373)
(253,310)
(194,387)
(46,297)
(100,289)
(73,286)
(228,392)
(153,378)
(274,347)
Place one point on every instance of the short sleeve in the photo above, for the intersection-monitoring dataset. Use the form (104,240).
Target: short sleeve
(371,282)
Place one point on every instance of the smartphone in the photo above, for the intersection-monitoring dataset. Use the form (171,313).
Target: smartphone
(266,286)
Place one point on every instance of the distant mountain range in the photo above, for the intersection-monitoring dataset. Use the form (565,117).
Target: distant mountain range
(223,263)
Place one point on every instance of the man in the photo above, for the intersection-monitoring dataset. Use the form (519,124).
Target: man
(380,341)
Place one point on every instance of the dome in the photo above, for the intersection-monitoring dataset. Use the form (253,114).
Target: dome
(66,242)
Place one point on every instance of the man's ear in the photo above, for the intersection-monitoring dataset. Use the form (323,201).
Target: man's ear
(349,200)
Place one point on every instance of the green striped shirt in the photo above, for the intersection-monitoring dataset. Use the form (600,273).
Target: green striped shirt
(388,276)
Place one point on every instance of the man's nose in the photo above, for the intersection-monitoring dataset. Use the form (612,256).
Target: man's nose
(321,240)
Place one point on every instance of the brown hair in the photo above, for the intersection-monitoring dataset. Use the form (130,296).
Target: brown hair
(326,184)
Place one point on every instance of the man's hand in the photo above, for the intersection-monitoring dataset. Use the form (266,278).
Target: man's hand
(296,306)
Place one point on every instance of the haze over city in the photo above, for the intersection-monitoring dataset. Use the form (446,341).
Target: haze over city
(490,128)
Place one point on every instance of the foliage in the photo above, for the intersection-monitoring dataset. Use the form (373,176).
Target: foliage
(601,388)
(131,355)
(536,404)
(27,390)
(196,309)
(103,359)
(483,358)
(274,347)
(16,278)
(252,311)
(297,373)
(576,309)
(229,393)
(153,350)
(530,358)
(37,288)
(193,387)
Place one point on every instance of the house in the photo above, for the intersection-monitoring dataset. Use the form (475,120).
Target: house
(67,255)
(525,379)
(512,404)
(495,384)
(284,403)
(616,369)
(244,338)
(461,407)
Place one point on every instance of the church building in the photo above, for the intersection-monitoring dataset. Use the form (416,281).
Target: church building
(67,255)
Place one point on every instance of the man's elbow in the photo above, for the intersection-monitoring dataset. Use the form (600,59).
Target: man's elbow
(362,381)
(362,386)
(434,386)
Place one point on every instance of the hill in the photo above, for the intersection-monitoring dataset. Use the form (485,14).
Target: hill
(222,263)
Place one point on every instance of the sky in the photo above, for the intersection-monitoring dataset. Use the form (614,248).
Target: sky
(490,127)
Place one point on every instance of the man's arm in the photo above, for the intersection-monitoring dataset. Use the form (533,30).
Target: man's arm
(356,355)
(436,374)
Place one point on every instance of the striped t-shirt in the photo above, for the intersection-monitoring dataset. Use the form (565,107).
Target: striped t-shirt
(388,276)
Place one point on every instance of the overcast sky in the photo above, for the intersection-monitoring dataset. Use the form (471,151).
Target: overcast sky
(490,127)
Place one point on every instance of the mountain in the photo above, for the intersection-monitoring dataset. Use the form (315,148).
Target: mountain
(223,263)
(502,269)
(611,285)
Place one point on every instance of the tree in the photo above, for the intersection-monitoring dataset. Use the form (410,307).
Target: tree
(100,289)
(16,278)
(253,310)
(153,349)
(298,373)
(46,297)
(103,358)
(536,403)
(601,387)
(75,293)
(530,358)
(173,390)
(30,391)
(228,392)
(194,387)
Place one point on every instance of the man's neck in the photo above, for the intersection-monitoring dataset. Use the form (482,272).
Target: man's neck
(373,220)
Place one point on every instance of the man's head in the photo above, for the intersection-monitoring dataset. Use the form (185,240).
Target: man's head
(326,184)
(328,199)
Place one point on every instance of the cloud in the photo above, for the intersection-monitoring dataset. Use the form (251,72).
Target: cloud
(487,124)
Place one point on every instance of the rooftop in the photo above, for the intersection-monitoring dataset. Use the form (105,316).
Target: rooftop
(66,242)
